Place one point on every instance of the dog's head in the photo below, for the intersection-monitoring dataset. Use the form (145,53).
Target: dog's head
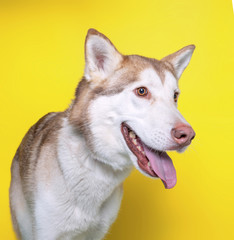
(126,106)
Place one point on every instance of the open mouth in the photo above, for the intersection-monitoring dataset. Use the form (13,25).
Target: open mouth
(154,163)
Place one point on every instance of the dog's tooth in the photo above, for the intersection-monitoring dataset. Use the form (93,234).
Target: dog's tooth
(134,141)
(149,164)
(139,148)
(132,134)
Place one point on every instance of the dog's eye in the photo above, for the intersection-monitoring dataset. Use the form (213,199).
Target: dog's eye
(142,91)
(176,95)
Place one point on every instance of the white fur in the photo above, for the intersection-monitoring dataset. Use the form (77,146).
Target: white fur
(101,58)
(85,186)
(78,189)
(89,193)
(23,216)
(152,120)
(181,61)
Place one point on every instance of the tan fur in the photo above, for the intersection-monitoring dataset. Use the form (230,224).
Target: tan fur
(88,91)
(36,160)
(25,162)
(169,59)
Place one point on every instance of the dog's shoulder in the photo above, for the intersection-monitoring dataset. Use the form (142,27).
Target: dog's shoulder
(41,133)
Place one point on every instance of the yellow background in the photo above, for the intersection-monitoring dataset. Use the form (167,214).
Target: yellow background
(42,59)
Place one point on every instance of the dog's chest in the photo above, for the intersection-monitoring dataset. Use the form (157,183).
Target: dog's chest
(87,194)
(86,206)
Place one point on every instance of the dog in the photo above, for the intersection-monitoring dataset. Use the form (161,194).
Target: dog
(68,171)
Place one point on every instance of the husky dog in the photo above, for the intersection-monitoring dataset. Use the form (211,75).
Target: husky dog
(67,173)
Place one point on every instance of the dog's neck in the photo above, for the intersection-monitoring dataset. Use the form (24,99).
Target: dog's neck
(85,175)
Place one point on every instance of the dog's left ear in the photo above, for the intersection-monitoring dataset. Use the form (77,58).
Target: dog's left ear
(180,59)
(101,56)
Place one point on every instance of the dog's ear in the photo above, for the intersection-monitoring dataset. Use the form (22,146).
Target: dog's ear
(180,59)
(101,56)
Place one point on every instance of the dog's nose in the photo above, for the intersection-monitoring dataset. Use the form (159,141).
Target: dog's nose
(183,134)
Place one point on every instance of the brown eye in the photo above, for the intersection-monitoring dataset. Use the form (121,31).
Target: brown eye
(176,95)
(142,91)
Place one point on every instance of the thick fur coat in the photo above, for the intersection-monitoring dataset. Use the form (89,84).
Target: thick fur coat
(68,171)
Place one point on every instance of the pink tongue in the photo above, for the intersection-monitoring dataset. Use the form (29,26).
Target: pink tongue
(162,166)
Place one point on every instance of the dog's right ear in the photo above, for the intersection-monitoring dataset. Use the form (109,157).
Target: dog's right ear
(101,56)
